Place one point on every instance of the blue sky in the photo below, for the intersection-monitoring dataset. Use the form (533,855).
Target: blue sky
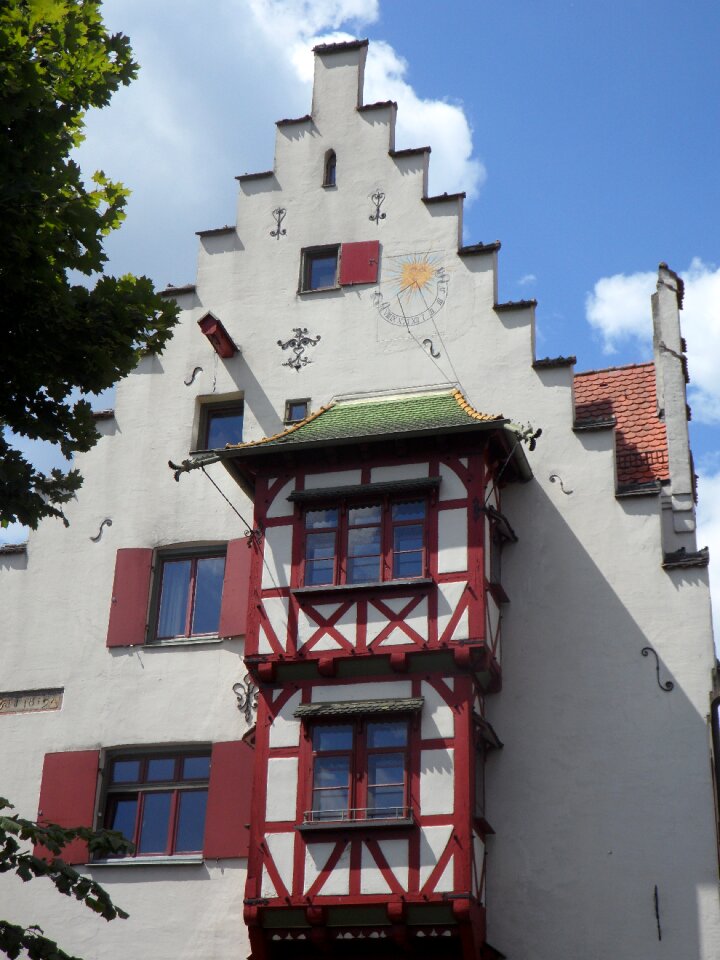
(586,136)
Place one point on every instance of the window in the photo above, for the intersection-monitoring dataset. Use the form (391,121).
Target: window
(158,801)
(360,771)
(329,177)
(296,410)
(365,543)
(189,595)
(220,424)
(319,268)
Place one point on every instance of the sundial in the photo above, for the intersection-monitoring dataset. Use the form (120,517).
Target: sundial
(414,289)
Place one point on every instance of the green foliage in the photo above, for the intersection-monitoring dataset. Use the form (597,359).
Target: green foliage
(57,337)
(15,835)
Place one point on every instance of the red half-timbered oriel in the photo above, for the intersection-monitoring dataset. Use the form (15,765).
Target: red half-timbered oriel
(373,631)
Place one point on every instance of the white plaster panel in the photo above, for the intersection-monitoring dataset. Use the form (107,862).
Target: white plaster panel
(285,729)
(452,540)
(433,841)
(267,886)
(438,718)
(281,788)
(402,471)
(446,880)
(327,642)
(372,690)
(493,616)
(282,848)
(395,638)
(462,627)
(376,622)
(479,859)
(451,486)
(307,626)
(371,880)
(336,478)
(316,856)
(437,781)
(276,609)
(281,506)
(277,556)
(396,854)
(463,461)
(448,595)
(264,645)
(449,682)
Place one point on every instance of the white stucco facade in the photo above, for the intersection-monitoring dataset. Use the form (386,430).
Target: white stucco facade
(602,791)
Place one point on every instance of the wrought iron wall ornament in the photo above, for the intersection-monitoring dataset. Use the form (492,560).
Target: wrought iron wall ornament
(377,198)
(107,522)
(427,342)
(192,376)
(246,691)
(556,478)
(668,685)
(279,215)
(297,344)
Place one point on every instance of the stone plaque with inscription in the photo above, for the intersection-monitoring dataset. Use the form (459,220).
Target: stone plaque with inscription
(30,701)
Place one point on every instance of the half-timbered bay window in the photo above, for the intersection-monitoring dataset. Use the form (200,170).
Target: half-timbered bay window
(365,543)
(158,801)
(189,595)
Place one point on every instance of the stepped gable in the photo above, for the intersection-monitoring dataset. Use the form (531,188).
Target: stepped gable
(627,394)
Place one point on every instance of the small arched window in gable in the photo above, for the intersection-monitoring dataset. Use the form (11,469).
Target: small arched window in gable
(330,169)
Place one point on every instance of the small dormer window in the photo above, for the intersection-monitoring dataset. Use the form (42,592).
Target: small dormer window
(330,169)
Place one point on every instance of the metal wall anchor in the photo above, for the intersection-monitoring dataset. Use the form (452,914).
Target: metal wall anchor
(107,522)
(191,379)
(668,685)
(377,198)
(556,478)
(427,342)
(279,215)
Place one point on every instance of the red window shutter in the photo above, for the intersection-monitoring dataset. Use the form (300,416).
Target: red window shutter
(67,797)
(359,262)
(229,797)
(236,585)
(131,589)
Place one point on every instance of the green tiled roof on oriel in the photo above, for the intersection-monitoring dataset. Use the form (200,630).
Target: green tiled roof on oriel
(355,419)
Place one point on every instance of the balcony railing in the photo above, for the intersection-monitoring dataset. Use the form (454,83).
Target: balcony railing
(359,815)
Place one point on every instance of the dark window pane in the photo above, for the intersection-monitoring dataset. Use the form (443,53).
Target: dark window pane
(174,598)
(387,734)
(223,427)
(125,771)
(208,594)
(386,801)
(386,768)
(409,511)
(358,515)
(333,737)
(319,546)
(409,537)
(297,411)
(330,804)
(154,827)
(196,768)
(123,811)
(408,565)
(191,820)
(160,768)
(364,542)
(316,519)
(331,772)
(322,270)
(363,569)
(318,572)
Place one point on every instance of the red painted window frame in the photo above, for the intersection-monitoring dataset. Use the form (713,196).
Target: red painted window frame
(194,557)
(359,754)
(387,550)
(142,787)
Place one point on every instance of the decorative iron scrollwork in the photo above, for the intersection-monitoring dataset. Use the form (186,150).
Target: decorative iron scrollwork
(246,691)
(279,214)
(668,685)
(107,522)
(427,342)
(556,478)
(377,198)
(297,344)
(191,378)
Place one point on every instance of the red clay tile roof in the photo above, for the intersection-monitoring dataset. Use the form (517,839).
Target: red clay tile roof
(628,394)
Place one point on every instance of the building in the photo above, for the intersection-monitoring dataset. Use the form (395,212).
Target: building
(418,648)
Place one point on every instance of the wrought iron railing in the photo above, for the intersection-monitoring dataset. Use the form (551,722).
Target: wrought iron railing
(357,815)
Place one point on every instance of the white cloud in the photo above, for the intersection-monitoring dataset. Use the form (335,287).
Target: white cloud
(619,310)
(709,534)
(526,280)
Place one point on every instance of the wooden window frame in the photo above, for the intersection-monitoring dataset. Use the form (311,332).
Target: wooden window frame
(169,556)
(359,764)
(139,789)
(330,169)
(291,403)
(387,537)
(309,256)
(208,411)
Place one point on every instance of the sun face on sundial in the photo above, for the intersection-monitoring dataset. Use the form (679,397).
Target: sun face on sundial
(414,289)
